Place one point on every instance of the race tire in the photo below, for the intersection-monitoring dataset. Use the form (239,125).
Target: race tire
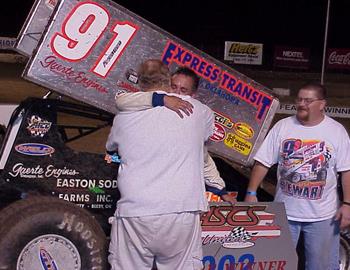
(344,253)
(48,233)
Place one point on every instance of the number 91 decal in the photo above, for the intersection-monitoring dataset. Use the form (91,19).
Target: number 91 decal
(81,31)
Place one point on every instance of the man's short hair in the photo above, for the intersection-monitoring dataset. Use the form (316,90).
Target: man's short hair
(320,89)
(153,73)
(190,73)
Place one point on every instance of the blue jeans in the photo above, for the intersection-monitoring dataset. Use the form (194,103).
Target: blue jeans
(321,243)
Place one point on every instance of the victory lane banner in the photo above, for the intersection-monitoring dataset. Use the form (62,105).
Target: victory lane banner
(247,236)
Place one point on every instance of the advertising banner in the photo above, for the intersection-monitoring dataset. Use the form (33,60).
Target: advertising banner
(243,53)
(338,58)
(289,57)
(332,111)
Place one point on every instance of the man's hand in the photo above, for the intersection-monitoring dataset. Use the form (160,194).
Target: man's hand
(343,214)
(178,105)
(228,198)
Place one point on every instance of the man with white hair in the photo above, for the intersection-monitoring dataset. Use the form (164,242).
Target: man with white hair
(160,181)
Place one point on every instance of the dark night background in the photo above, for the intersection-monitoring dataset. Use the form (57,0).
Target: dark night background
(207,25)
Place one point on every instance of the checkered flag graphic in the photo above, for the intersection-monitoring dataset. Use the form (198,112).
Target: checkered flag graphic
(327,155)
(240,233)
(34,120)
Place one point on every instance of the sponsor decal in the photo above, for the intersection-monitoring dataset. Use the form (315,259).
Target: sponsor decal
(34,149)
(127,87)
(132,76)
(104,198)
(51,3)
(223,120)
(239,144)
(19,170)
(237,226)
(219,92)
(76,198)
(219,133)
(173,52)
(102,201)
(101,206)
(46,260)
(92,184)
(53,64)
(243,53)
(37,126)
(247,93)
(244,130)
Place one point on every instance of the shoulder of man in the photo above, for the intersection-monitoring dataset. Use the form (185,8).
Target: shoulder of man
(334,123)
(287,120)
(284,122)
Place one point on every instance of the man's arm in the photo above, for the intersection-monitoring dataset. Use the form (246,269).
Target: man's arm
(111,144)
(343,213)
(258,173)
(130,102)
(213,180)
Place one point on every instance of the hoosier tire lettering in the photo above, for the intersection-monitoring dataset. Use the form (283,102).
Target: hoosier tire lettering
(61,232)
(70,223)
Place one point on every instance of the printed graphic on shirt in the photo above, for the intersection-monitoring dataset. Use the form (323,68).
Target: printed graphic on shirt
(304,166)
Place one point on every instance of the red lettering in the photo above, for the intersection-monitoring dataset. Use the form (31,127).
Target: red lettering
(213,218)
(281,265)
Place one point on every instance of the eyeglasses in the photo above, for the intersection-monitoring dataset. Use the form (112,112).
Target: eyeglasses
(307,101)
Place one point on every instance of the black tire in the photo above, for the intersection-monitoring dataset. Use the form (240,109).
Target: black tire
(344,254)
(42,231)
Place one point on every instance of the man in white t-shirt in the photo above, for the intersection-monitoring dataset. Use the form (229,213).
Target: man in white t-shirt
(185,82)
(161,182)
(310,149)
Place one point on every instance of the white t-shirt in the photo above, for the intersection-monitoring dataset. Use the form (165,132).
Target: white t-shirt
(308,161)
(162,160)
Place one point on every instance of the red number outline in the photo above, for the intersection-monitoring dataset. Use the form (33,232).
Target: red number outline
(63,34)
